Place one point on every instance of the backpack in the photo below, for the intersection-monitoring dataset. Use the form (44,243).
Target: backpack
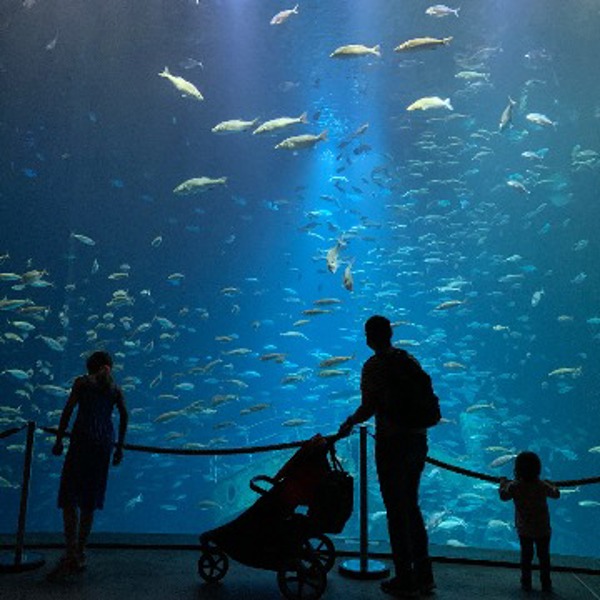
(409,400)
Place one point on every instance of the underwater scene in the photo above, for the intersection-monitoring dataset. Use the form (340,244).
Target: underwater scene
(220,193)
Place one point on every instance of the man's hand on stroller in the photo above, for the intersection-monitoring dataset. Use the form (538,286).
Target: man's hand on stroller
(345,428)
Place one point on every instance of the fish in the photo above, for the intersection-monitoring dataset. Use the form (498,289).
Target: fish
(332,257)
(326,373)
(185,386)
(23,325)
(449,304)
(540,119)
(84,239)
(198,184)
(295,422)
(315,311)
(335,360)
(301,141)
(355,50)
(131,504)
(536,297)
(5,483)
(506,116)
(168,416)
(10,277)
(54,390)
(441,10)
(191,63)
(453,365)
(451,522)
(182,85)
(292,379)
(502,460)
(280,123)
(518,185)
(343,144)
(562,371)
(472,75)
(230,291)
(284,15)
(535,155)
(18,373)
(348,279)
(327,301)
(589,503)
(300,322)
(429,102)
(259,406)
(58,344)
(31,277)
(424,43)
(297,334)
(498,524)
(226,338)
(233,126)
(209,505)
(478,407)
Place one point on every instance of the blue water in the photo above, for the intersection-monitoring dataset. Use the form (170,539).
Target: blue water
(94,142)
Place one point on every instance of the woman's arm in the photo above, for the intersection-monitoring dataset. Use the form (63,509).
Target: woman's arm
(65,417)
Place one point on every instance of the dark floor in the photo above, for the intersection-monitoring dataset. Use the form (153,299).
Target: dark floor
(159,574)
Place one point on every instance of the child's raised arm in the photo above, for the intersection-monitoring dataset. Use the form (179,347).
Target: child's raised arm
(505,489)
(551,490)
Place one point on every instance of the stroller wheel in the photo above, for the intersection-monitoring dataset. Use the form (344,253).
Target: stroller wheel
(212,566)
(303,579)
(321,547)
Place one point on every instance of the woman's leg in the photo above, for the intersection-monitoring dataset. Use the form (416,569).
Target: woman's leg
(86,520)
(70,529)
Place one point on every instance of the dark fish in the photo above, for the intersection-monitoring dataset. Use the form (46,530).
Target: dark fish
(506,116)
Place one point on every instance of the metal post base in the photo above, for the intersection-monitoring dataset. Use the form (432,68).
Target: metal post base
(29,562)
(373,569)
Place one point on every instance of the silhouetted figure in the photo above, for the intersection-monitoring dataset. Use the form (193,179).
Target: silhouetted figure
(532,518)
(400,458)
(85,470)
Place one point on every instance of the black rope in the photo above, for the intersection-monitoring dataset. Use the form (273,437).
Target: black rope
(9,432)
(198,451)
(331,438)
(462,471)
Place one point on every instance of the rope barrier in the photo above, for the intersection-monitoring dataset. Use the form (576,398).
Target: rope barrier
(199,451)
(494,479)
(9,432)
(288,445)
(462,471)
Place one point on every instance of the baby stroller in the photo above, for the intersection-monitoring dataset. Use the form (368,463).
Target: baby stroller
(272,535)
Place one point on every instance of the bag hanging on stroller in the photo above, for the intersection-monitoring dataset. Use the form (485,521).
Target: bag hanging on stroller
(333,500)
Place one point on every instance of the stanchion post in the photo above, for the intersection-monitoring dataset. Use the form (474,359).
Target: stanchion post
(363,568)
(363,499)
(24,492)
(21,561)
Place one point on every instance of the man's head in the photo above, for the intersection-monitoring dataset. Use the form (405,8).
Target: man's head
(378,330)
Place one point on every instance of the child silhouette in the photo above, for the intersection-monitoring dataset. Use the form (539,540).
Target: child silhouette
(532,519)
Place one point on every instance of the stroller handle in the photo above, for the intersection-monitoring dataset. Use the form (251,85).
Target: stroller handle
(259,478)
